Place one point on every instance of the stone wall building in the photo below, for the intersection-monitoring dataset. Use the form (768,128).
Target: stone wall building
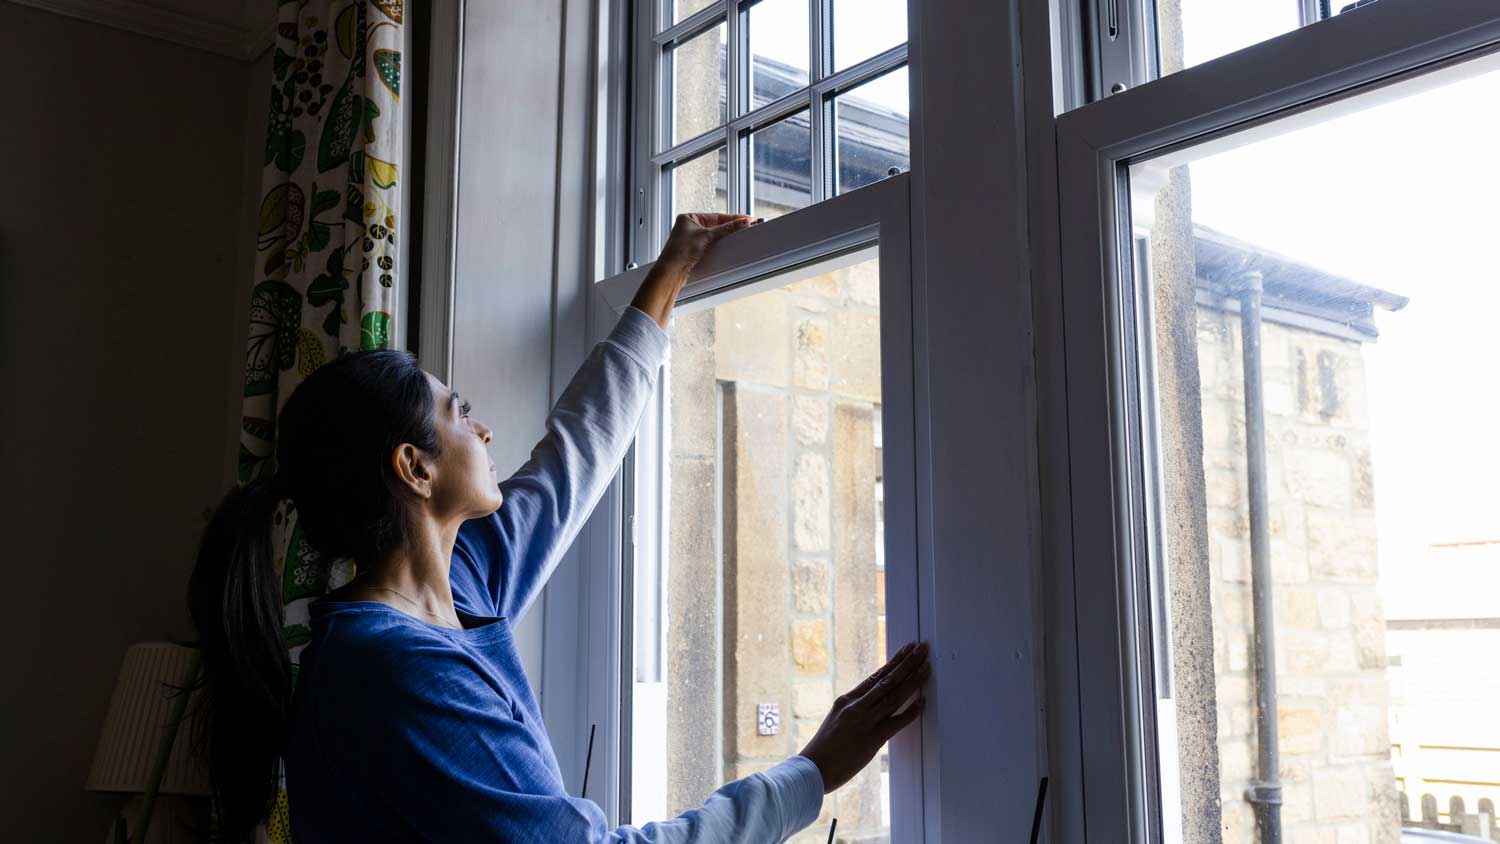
(775,440)
(1333,707)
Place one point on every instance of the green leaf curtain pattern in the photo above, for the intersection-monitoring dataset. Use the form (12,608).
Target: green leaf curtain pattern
(325,263)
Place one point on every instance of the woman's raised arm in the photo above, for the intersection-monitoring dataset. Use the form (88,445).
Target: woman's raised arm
(508,556)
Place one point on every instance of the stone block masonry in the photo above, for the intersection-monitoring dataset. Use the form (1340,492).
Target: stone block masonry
(775,585)
(1334,706)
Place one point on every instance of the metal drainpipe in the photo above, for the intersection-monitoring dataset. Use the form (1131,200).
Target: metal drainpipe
(1265,794)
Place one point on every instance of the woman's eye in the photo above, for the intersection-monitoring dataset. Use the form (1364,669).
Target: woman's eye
(463,410)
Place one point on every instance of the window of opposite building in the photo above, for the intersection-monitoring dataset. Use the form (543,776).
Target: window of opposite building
(763,106)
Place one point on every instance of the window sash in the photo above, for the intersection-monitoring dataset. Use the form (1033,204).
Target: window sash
(1121,42)
(1106,464)
(654,153)
(627,524)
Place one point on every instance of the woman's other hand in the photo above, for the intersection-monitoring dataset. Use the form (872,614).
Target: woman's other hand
(691,237)
(866,717)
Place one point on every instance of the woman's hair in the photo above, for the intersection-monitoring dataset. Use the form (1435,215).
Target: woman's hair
(334,442)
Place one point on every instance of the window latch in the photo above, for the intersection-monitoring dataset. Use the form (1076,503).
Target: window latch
(1112,18)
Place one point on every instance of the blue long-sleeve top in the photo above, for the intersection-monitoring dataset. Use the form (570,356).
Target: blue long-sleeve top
(408,731)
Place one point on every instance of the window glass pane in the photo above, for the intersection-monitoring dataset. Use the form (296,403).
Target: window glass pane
(698,184)
(779,49)
(686,8)
(1195,31)
(1325,304)
(864,28)
(700,85)
(782,167)
(1191,32)
(874,131)
(768,598)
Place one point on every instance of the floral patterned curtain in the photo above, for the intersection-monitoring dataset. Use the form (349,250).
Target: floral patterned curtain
(325,276)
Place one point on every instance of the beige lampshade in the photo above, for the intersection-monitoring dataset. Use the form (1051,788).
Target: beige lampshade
(139,713)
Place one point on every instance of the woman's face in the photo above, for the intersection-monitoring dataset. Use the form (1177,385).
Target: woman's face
(464,483)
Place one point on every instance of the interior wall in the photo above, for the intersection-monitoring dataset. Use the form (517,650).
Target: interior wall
(518,326)
(523,265)
(121,235)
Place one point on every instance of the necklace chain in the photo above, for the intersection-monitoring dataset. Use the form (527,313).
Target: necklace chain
(419,608)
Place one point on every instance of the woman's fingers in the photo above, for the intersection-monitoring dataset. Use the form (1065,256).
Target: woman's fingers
(869,682)
(710,221)
(900,669)
(891,726)
(900,692)
(729,227)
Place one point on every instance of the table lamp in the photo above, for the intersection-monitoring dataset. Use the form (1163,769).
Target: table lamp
(145,751)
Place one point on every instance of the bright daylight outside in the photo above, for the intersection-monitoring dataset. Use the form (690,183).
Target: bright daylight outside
(1347,256)
(767,598)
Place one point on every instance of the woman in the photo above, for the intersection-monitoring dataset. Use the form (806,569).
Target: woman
(412,718)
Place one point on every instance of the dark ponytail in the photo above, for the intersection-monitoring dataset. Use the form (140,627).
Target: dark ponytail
(235,599)
(335,437)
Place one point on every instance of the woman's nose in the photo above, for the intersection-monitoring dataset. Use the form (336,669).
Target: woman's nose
(485,434)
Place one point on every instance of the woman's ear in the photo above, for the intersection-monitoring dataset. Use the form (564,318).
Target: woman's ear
(413,469)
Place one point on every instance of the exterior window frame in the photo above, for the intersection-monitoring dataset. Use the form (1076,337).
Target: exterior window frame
(1103,726)
(654,154)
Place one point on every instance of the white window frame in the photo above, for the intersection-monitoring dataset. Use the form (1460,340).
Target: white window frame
(874,219)
(1102,725)
(1112,44)
(654,153)
(977,403)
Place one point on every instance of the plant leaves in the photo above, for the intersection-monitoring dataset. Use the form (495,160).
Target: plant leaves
(296,634)
(328,288)
(388,66)
(272,215)
(324,200)
(248,463)
(331,284)
(346,30)
(372,111)
(290,151)
(354,197)
(318,236)
(281,63)
(306,572)
(392,8)
(374,331)
(275,318)
(275,261)
(340,127)
(382,173)
(353,204)
(281,216)
(309,353)
(278,125)
(261,429)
